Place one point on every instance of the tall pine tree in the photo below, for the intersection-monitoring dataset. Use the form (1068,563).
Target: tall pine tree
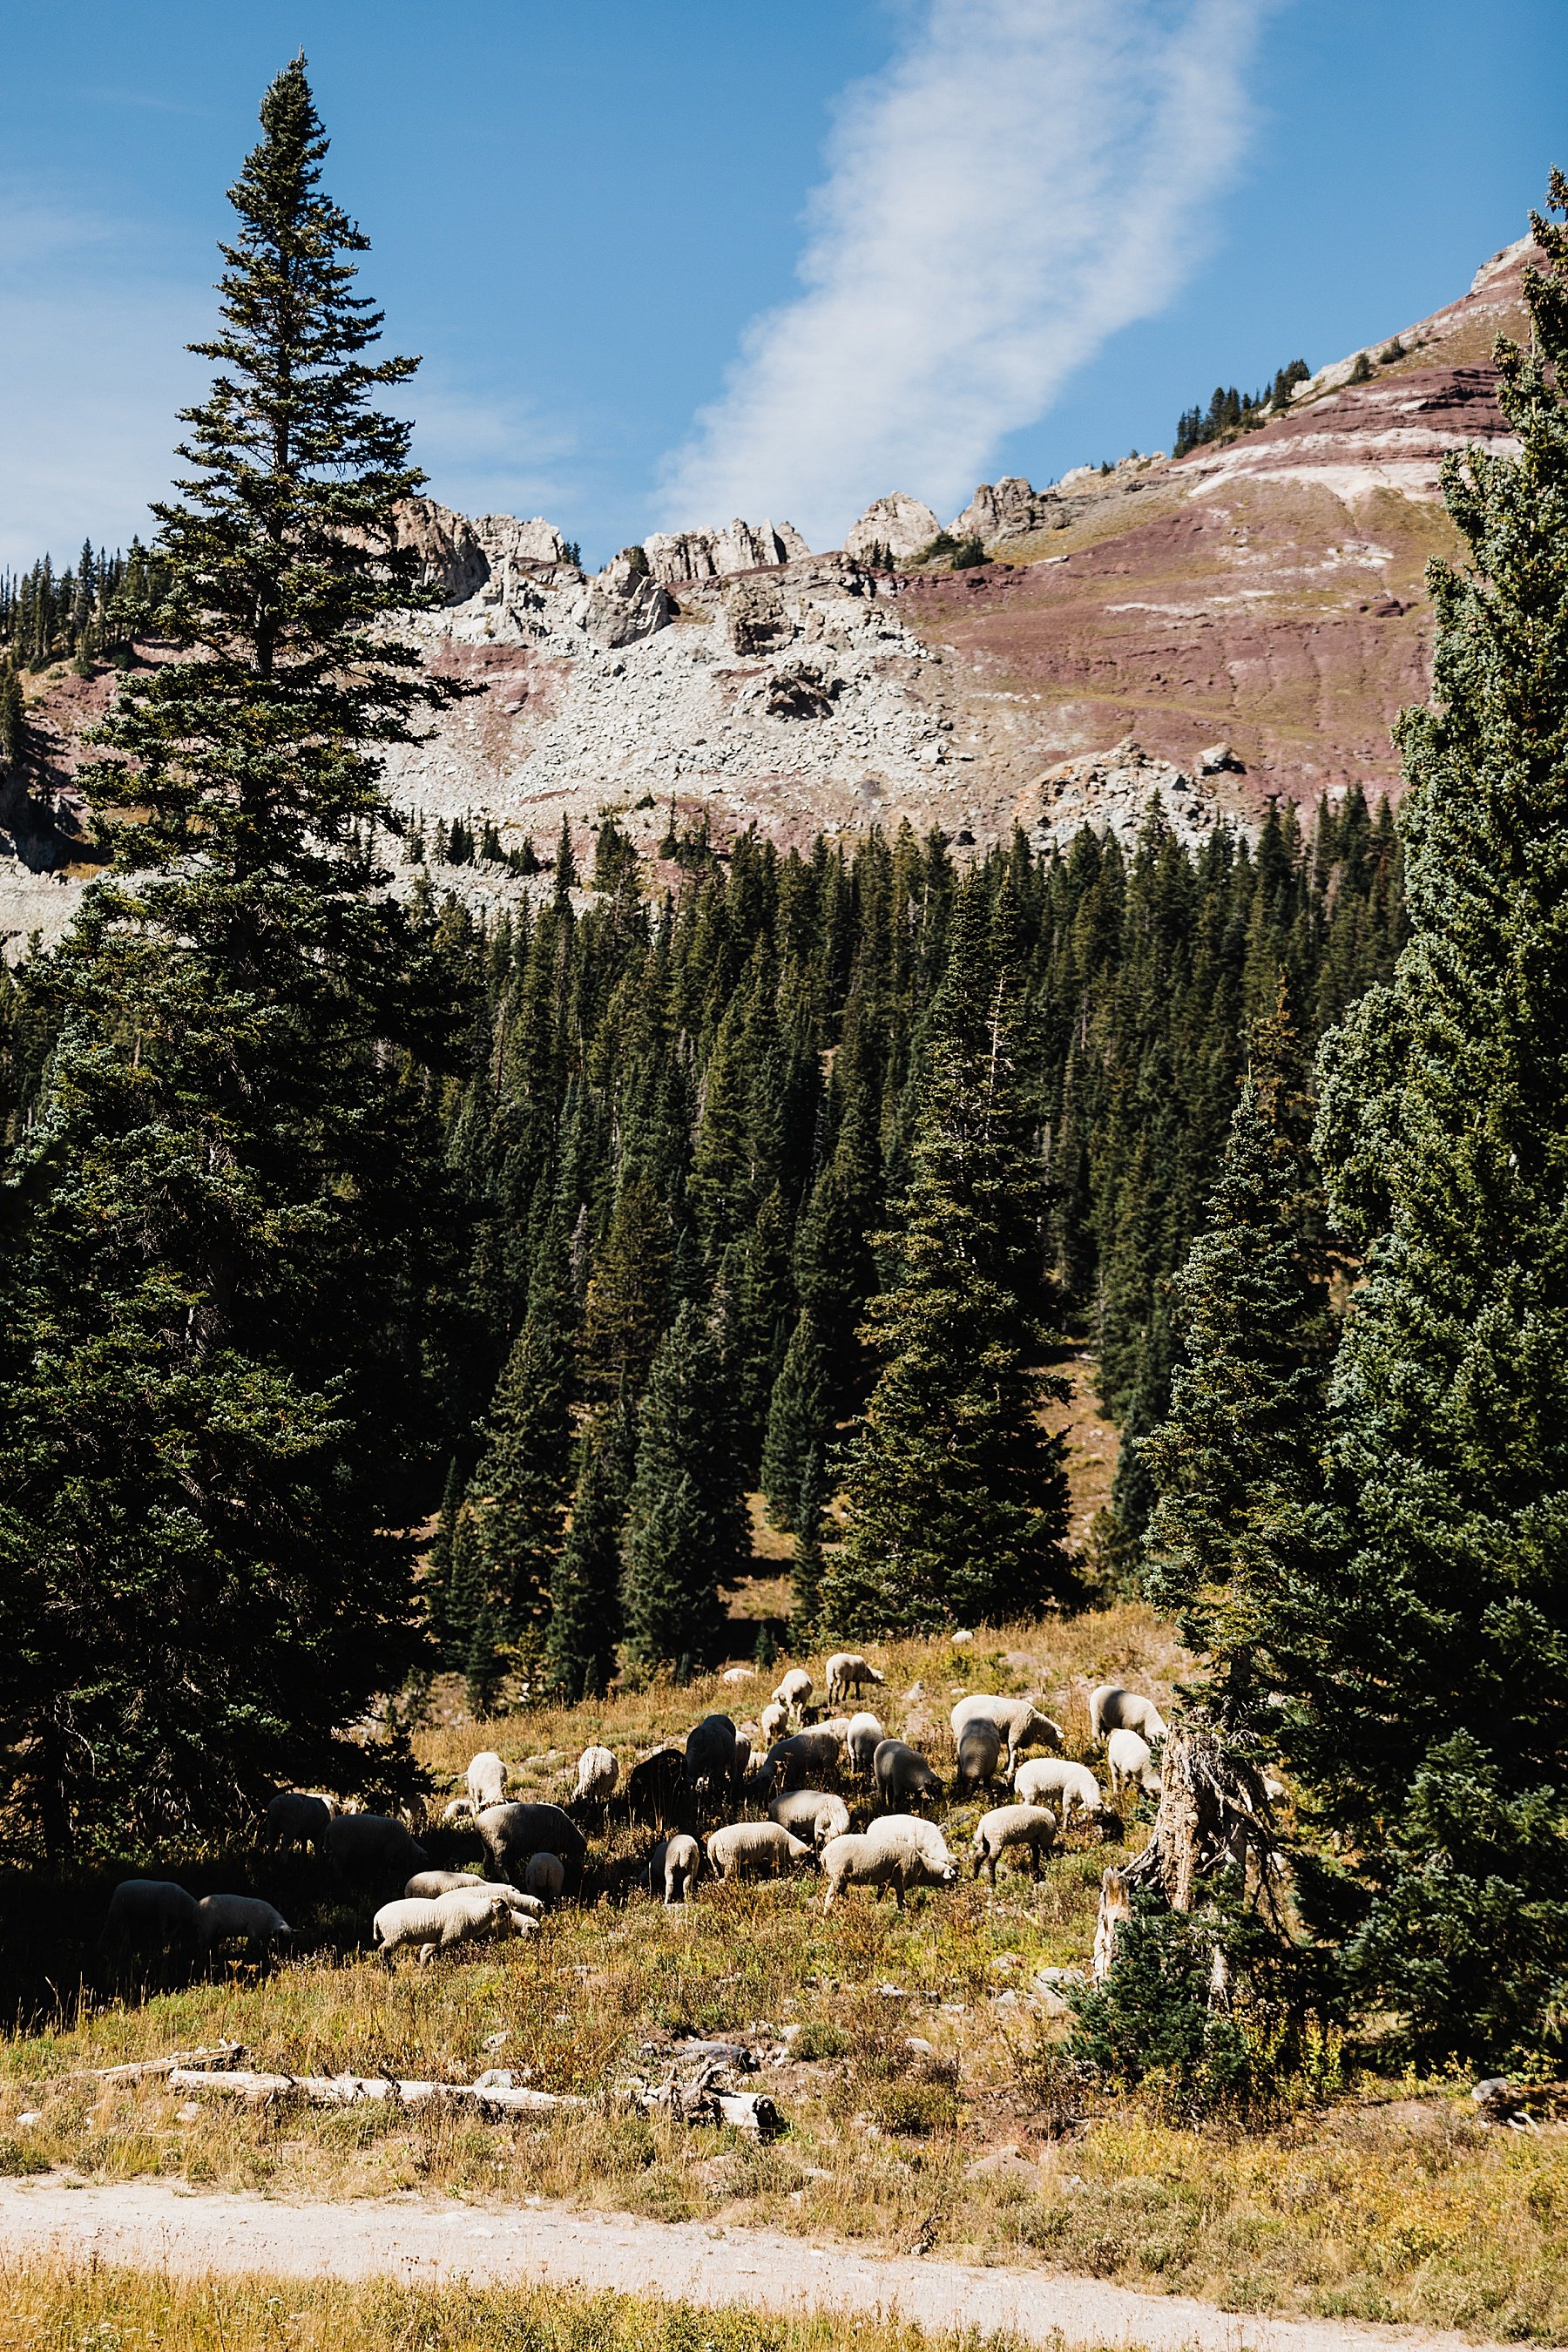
(585,1631)
(686,1531)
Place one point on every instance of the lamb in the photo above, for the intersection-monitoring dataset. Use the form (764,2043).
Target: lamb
(461,1809)
(373,1846)
(296,1819)
(449,1919)
(811,1813)
(676,1866)
(149,1918)
(598,1770)
(487,1780)
(654,1786)
(1053,1780)
(979,1754)
(544,1878)
(1033,1827)
(794,1689)
(427,1884)
(849,1671)
(1018,1720)
(513,1834)
(228,1918)
(716,1758)
(774,1721)
(1112,1708)
(754,1850)
(1129,1762)
(881,1861)
(806,1759)
(863,1738)
(902,1775)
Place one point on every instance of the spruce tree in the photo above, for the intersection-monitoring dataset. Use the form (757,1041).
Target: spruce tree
(216,1411)
(585,1631)
(1430,1710)
(797,1421)
(1236,1468)
(806,1575)
(686,1531)
(956,1496)
(513,1517)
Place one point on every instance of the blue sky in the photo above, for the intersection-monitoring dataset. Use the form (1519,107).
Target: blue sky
(1047,225)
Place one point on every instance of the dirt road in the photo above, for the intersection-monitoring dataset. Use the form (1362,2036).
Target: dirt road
(154,2225)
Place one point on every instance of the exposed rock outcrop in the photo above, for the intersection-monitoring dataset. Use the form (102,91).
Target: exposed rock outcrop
(1112,792)
(898,523)
(621,605)
(1010,510)
(677,557)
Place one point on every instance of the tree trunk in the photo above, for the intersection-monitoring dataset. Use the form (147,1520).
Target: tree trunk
(1213,1815)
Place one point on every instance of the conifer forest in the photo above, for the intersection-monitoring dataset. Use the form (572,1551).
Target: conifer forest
(390,1296)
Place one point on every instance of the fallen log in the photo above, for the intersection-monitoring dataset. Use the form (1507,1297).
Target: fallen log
(135,2069)
(357,2090)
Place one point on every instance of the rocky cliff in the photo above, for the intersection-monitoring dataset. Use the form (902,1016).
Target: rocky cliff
(1240,624)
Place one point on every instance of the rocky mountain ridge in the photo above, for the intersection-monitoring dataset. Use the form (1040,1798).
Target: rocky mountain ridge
(1239,625)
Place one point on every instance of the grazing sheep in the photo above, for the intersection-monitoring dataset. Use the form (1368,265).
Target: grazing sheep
(1033,1827)
(436,1925)
(754,1850)
(513,1834)
(461,1809)
(151,1918)
(675,1865)
(373,1846)
(1129,1763)
(979,1754)
(1053,1780)
(882,1862)
(911,1831)
(427,1884)
(794,1689)
(735,1676)
(655,1786)
(847,1673)
(229,1918)
(773,1722)
(863,1738)
(1112,1708)
(295,1819)
(544,1878)
(1018,1720)
(809,1758)
(716,1759)
(903,1776)
(487,1780)
(598,1770)
(811,1813)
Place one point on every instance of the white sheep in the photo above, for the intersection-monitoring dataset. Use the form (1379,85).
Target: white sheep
(598,1770)
(461,1809)
(813,1813)
(294,1817)
(884,1860)
(149,1917)
(773,1722)
(847,1673)
(912,1832)
(230,1918)
(736,1675)
(1033,1827)
(794,1689)
(427,1884)
(545,1877)
(432,1926)
(675,1864)
(754,1850)
(487,1780)
(863,1738)
(1054,1780)
(1129,1762)
(1018,1720)
(1112,1708)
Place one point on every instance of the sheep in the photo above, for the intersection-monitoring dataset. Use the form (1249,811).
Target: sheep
(1052,1779)
(806,1759)
(374,1846)
(487,1780)
(225,1918)
(513,1834)
(773,1722)
(1033,1827)
(599,1769)
(1112,1708)
(675,1865)
(334,1805)
(295,1819)
(901,1774)
(848,1671)
(427,1884)
(794,1689)
(449,1919)
(1129,1762)
(979,1754)
(461,1809)
(151,1918)
(870,1861)
(735,1676)
(544,1878)
(913,1832)
(1018,1720)
(716,1759)
(754,1850)
(654,1786)
(811,1812)
(863,1738)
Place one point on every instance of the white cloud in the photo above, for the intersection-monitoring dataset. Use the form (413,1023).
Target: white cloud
(1023,178)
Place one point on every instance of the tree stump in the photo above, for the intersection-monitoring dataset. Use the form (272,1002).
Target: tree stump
(1213,1815)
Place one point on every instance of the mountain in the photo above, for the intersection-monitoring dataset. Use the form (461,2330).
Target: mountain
(1239,623)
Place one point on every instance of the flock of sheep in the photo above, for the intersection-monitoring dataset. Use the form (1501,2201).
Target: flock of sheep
(536,1851)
